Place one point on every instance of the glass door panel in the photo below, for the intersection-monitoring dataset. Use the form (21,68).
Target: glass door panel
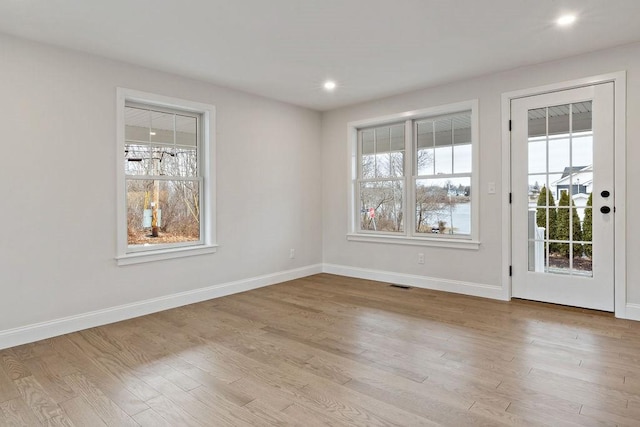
(560,157)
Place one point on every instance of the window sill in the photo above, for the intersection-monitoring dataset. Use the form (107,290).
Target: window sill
(162,254)
(415,241)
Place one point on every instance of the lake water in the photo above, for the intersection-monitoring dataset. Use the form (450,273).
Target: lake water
(459,218)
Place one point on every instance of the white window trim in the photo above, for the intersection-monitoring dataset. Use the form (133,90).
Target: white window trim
(207,245)
(408,237)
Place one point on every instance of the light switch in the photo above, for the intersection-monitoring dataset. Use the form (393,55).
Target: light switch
(492,188)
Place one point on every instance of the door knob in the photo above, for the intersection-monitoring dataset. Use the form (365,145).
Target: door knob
(605,209)
(605,194)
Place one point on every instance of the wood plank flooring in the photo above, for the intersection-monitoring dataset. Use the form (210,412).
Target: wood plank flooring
(330,350)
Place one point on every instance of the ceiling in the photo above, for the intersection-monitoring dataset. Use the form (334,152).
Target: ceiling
(285,49)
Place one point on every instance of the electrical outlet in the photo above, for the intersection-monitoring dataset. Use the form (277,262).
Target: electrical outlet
(292,253)
(420,258)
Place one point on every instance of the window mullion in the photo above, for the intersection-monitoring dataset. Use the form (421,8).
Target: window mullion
(161,178)
(375,153)
(359,155)
(391,178)
(445,175)
(452,145)
(409,186)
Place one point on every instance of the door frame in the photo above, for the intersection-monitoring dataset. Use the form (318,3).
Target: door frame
(619,80)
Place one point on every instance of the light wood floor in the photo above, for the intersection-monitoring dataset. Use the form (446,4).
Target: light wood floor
(328,350)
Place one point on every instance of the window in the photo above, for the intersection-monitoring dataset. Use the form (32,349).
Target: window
(382,178)
(166,186)
(413,177)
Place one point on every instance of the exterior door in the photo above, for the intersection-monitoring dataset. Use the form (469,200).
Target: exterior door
(562,147)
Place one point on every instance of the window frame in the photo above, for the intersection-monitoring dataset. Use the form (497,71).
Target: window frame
(126,255)
(409,236)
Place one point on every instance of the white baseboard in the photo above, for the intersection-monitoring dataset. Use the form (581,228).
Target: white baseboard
(39,331)
(467,288)
(43,330)
(631,312)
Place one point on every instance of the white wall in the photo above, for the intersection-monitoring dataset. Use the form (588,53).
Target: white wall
(58,191)
(479,269)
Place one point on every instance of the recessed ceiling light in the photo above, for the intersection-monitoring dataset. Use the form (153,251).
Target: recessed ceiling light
(329,85)
(152,133)
(566,20)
